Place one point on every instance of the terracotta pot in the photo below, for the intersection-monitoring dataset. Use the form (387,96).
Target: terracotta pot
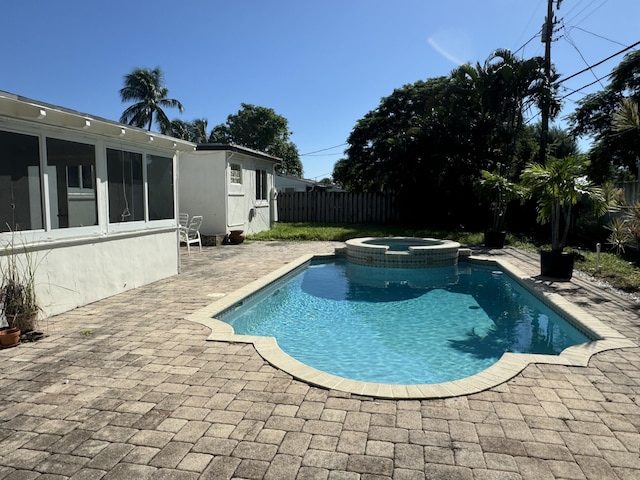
(236,237)
(9,337)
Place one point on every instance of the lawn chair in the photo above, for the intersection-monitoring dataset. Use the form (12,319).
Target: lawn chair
(191,233)
(183,220)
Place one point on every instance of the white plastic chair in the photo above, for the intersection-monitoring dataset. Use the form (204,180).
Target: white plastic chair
(191,234)
(183,220)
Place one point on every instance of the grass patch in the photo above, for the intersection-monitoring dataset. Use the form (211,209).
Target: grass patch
(615,270)
(342,233)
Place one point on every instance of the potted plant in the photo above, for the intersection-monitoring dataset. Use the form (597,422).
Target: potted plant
(557,187)
(18,301)
(501,192)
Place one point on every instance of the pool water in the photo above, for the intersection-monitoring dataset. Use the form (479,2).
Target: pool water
(402,326)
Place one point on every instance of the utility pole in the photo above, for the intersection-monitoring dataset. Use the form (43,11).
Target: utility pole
(547,38)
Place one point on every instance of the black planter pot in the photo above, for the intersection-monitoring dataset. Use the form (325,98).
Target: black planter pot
(557,264)
(493,239)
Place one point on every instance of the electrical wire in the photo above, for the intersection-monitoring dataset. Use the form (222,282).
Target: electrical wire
(599,36)
(323,150)
(533,15)
(570,41)
(528,41)
(573,20)
(598,63)
(585,86)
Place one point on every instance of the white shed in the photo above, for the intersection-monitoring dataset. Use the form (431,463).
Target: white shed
(231,186)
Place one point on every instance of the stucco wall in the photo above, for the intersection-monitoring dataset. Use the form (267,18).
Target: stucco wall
(201,189)
(83,271)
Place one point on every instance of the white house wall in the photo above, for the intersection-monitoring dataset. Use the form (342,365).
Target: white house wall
(248,213)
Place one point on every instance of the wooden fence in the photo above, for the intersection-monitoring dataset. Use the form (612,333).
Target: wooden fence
(336,207)
(631,191)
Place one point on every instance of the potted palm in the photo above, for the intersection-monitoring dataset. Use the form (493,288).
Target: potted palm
(501,191)
(557,187)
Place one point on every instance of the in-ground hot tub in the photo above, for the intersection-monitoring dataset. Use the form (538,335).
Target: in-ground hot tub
(403,252)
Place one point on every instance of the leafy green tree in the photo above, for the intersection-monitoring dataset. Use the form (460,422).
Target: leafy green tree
(262,129)
(428,141)
(613,148)
(560,142)
(146,87)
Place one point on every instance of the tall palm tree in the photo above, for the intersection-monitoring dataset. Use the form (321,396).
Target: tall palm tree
(179,129)
(198,130)
(146,87)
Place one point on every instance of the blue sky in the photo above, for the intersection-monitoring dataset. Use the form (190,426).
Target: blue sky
(323,65)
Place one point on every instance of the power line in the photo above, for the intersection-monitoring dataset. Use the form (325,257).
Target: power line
(585,86)
(533,14)
(527,42)
(323,149)
(578,90)
(599,36)
(320,155)
(573,44)
(324,175)
(588,14)
(598,63)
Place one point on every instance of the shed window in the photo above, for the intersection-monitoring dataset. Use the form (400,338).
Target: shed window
(235,173)
(261,185)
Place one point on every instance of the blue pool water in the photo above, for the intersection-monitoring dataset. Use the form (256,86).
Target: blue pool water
(402,326)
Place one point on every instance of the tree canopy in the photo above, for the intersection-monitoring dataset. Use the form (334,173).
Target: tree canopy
(428,141)
(613,146)
(262,129)
(146,87)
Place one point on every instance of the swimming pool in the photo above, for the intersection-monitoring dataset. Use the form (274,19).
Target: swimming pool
(402,326)
(509,364)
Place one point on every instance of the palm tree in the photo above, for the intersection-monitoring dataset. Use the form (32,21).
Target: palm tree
(146,87)
(513,86)
(626,118)
(198,130)
(179,129)
(557,188)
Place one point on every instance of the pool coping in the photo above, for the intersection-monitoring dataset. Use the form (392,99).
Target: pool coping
(507,367)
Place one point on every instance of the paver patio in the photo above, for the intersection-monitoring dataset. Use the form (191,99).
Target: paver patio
(125,388)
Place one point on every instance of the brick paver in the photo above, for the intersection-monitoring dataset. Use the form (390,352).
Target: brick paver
(126,388)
